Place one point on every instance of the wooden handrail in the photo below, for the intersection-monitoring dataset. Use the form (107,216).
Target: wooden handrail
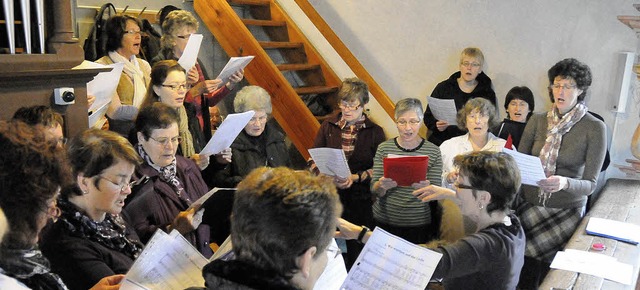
(348,57)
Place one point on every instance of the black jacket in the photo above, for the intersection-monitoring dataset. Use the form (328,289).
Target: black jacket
(249,153)
(449,90)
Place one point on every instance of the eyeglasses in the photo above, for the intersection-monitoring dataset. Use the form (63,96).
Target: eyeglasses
(351,107)
(186,36)
(333,251)
(164,141)
(261,119)
(133,32)
(467,64)
(566,87)
(53,211)
(122,186)
(177,87)
(404,123)
(463,186)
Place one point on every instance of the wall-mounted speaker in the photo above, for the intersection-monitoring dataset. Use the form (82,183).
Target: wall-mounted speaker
(623,80)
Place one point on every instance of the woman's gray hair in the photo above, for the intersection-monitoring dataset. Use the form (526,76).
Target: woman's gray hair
(485,108)
(409,104)
(252,98)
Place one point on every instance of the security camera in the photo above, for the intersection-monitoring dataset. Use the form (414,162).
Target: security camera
(64,96)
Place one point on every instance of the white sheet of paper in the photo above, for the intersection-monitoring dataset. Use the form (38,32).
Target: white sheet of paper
(334,272)
(190,53)
(443,110)
(331,161)
(103,86)
(620,230)
(235,64)
(593,264)
(97,116)
(530,167)
(391,261)
(168,261)
(227,132)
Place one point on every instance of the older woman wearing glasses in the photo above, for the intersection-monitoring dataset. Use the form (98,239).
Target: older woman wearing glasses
(91,240)
(571,145)
(177,28)
(468,83)
(123,44)
(169,86)
(396,210)
(33,171)
(358,136)
(259,144)
(174,182)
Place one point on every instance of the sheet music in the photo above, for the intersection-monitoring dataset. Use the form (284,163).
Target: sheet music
(190,53)
(626,232)
(235,64)
(334,274)
(599,265)
(443,110)
(232,125)
(530,167)
(389,262)
(197,217)
(168,261)
(331,161)
(103,86)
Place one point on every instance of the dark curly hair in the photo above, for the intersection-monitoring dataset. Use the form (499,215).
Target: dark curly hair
(116,28)
(32,171)
(573,69)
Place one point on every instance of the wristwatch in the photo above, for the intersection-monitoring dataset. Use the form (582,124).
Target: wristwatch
(363,232)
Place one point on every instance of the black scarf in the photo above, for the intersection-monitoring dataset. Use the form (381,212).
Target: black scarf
(31,268)
(109,233)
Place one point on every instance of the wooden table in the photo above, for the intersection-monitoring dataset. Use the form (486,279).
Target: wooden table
(620,201)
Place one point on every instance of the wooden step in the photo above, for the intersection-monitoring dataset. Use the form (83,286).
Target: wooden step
(315,90)
(250,2)
(269,23)
(297,66)
(279,44)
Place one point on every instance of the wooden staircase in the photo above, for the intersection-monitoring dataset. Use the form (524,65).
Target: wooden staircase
(285,62)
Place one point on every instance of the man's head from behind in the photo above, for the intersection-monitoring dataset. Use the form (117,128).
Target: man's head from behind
(283,220)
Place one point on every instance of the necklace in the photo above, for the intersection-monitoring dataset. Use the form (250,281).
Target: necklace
(395,140)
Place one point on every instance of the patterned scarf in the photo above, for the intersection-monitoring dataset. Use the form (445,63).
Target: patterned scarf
(349,134)
(167,173)
(557,126)
(187,140)
(31,268)
(132,69)
(109,233)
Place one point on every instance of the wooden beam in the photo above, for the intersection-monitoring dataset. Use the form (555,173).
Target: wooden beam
(342,50)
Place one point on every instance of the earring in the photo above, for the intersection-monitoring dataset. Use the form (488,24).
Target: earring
(84,192)
(480,206)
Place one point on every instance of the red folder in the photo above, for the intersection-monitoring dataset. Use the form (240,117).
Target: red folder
(406,170)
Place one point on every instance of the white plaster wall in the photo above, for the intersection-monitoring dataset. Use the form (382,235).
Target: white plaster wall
(409,46)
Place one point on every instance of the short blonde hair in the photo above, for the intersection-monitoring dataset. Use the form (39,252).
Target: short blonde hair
(354,89)
(485,108)
(252,98)
(175,21)
(473,52)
